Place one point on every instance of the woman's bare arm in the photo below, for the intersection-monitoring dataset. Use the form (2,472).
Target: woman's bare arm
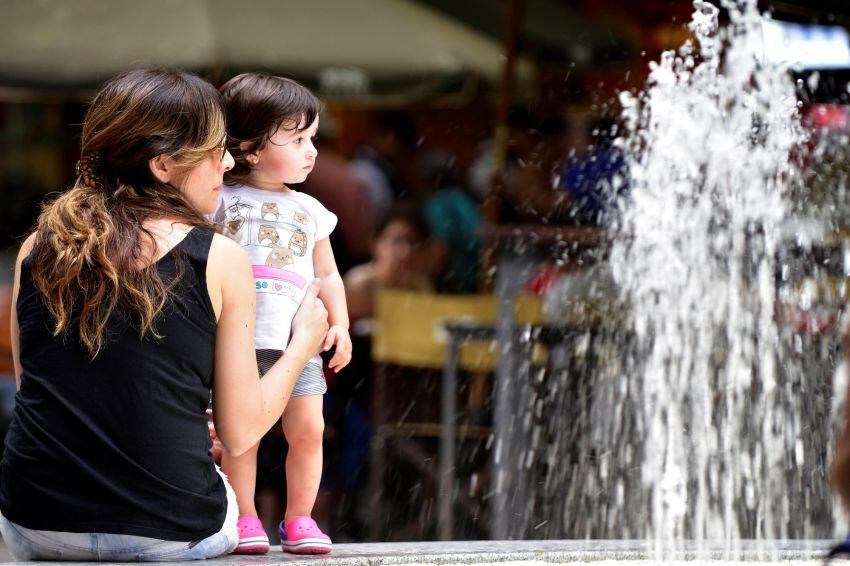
(245,407)
(26,248)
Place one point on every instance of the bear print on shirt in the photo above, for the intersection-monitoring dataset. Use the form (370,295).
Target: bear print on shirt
(279,257)
(268,235)
(269,211)
(298,243)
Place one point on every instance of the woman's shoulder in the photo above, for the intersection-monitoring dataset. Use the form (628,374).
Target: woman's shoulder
(23,253)
(27,246)
(223,249)
(228,268)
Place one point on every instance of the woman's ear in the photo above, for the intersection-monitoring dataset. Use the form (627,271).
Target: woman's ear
(163,168)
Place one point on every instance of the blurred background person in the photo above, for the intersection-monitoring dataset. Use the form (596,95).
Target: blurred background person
(7,368)
(400,236)
(336,183)
(596,177)
(382,161)
(453,219)
(537,150)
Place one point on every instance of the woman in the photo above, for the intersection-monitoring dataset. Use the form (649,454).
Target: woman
(129,312)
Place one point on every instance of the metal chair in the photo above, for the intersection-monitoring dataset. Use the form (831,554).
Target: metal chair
(423,330)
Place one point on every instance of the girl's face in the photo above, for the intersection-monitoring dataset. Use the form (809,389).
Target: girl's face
(202,184)
(288,157)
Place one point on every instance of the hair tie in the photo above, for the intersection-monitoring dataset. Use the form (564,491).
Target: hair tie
(89,170)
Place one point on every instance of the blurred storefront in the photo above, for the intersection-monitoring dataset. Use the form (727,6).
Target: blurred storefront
(436,63)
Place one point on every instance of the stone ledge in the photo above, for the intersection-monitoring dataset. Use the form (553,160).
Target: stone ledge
(513,553)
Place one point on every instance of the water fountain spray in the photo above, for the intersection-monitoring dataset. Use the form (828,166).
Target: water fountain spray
(709,143)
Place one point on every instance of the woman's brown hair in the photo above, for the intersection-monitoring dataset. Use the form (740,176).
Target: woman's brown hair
(258,105)
(92,252)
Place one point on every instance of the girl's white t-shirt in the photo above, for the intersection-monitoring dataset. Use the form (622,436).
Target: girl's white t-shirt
(278,231)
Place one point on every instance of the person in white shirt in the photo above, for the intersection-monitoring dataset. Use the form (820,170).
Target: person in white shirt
(271,123)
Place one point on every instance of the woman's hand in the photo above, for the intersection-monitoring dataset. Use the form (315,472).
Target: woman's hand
(310,325)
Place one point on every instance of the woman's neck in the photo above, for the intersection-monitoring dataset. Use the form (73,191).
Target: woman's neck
(166,234)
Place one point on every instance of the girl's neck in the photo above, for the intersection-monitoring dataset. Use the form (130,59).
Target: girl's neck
(267,185)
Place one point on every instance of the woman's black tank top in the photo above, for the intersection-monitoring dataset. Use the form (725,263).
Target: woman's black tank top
(119,444)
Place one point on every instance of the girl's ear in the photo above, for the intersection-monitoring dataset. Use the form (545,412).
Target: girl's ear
(163,168)
(254,157)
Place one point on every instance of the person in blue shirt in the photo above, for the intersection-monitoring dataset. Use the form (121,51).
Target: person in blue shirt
(454,219)
(595,180)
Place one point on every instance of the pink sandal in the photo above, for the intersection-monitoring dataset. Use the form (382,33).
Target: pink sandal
(252,537)
(302,535)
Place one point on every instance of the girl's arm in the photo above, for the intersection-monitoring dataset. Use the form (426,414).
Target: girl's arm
(245,406)
(333,291)
(332,295)
(26,248)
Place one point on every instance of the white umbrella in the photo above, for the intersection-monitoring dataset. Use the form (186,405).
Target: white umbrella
(83,41)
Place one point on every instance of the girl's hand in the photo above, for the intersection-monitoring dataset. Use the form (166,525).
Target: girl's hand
(217,447)
(338,336)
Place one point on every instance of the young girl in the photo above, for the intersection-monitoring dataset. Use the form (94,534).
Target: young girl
(271,122)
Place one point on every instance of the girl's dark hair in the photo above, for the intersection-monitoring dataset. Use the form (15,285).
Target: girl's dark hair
(92,252)
(257,106)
